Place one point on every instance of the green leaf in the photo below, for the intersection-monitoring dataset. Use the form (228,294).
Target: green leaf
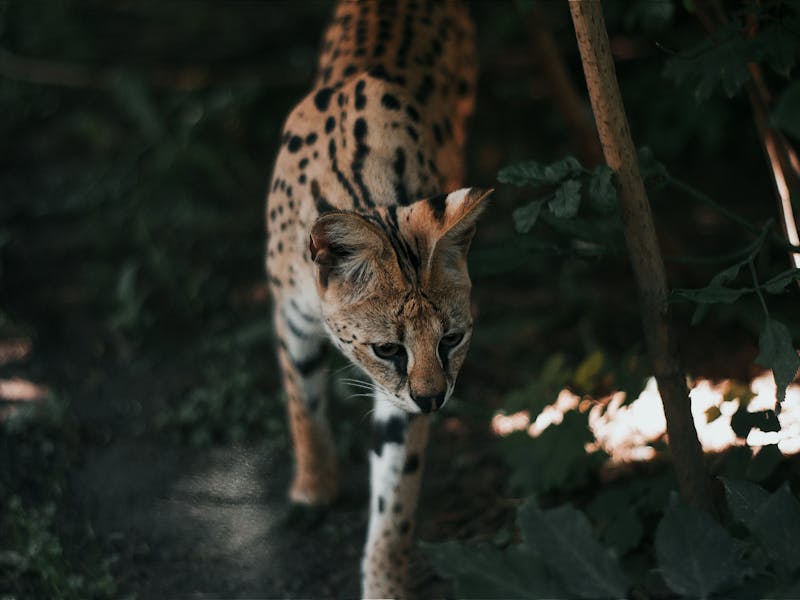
(526,216)
(776,352)
(695,554)
(564,539)
(744,498)
(710,294)
(536,174)
(786,115)
(617,515)
(487,572)
(602,193)
(713,63)
(778,284)
(777,525)
(556,460)
(567,200)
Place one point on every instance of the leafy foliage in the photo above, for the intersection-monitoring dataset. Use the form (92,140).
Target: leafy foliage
(564,539)
(697,557)
(722,60)
(563,188)
(776,352)
(555,460)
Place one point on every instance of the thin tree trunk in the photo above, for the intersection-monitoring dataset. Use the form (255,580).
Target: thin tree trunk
(645,256)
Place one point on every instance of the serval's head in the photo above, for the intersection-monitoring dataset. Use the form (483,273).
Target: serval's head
(396,293)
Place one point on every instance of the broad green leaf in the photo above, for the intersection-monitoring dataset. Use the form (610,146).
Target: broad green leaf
(602,193)
(777,525)
(744,498)
(526,216)
(536,174)
(786,115)
(567,200)
(697,557)
(564,539)
(487,572)
(776,352)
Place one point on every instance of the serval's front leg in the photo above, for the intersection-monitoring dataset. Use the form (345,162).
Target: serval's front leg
(302,345)
(398,451)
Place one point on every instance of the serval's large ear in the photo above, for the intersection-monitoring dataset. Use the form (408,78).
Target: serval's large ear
(347,249)
(446,224)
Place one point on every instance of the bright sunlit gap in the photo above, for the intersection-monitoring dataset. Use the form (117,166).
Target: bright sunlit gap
(626,433)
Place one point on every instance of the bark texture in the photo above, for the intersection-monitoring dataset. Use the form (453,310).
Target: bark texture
(642,244)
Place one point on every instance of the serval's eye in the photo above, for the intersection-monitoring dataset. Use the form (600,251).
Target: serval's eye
(451,340)
(387,350)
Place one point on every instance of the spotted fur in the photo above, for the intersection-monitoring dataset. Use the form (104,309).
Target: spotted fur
(367,241)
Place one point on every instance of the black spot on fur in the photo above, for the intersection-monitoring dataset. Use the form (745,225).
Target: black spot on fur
(399,162)
(390,102)
(322,99)
(349,70)
(391,431)
(311,138)
(303,163)
(323,206)
(360,129)
(301,179)
(330,123)
(412,133)
(438,206)
(412,112)
(295,143)
(381,504)
(361,99)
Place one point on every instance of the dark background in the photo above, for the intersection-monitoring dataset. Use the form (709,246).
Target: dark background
(136,142)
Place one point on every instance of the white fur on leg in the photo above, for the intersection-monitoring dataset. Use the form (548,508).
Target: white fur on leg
(395,474)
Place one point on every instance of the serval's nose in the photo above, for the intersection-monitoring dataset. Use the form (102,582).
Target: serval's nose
(431,402)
